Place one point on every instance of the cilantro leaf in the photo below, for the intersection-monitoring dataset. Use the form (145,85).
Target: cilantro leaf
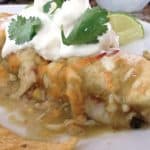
(59,3)
(23,30)
(91,24)
(47,6)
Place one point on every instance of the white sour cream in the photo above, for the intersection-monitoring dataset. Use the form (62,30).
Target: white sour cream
(48,43)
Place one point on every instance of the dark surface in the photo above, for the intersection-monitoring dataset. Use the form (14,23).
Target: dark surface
(15,1)
(145,14)
(137,122)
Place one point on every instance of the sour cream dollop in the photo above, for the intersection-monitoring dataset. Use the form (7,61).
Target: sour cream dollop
(48,43)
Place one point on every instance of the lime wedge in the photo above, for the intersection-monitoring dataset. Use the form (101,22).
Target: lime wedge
(127,27)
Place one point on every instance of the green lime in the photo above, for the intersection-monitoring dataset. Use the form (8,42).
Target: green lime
(127,27)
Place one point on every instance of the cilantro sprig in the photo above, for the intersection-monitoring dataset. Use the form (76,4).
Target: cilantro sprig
(47,6)
(22,30)
(91,24)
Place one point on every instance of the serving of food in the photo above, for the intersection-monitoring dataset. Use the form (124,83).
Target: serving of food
(62,70)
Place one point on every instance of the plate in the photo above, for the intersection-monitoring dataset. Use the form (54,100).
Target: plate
(125,140)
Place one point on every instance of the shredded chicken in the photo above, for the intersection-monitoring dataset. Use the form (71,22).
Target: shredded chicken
(26,72)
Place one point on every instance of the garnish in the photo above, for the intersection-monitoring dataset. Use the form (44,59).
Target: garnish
(23,30)
(90,25)
(127,27)
(48,5)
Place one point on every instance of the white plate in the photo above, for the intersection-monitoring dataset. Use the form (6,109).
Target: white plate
(125,140)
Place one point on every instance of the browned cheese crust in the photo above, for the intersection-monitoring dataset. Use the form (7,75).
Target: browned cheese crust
(10,141)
